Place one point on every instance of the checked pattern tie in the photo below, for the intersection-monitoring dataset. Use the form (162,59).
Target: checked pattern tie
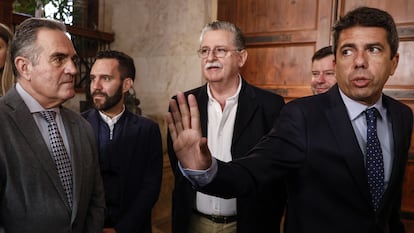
(59,154)
(374,160)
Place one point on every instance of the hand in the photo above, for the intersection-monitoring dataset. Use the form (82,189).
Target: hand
(184,124)
(109,230)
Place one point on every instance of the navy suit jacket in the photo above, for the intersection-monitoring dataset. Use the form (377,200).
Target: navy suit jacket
(314,147)
(256,113)
(141,168)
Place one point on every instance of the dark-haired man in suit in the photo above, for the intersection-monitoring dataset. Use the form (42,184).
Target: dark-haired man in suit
(130,149)
(343,153)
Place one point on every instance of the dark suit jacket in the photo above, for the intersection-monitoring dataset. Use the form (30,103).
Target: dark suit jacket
(314,146)
(141,169)
(256,113)
(32,199)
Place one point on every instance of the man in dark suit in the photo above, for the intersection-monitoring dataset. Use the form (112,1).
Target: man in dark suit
(234,115)
(36,194)
(336,181)
(130,148)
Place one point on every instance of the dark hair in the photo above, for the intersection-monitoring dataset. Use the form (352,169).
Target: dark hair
(25,37)
(126,63)
(238,39)
(368,17)
(322,52)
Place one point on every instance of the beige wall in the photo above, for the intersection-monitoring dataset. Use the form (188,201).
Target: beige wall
(162,37)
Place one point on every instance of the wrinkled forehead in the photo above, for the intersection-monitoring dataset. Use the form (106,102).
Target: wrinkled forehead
(217,38)
(55,41)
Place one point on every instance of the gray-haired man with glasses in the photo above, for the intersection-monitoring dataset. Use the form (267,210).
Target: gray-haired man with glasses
(234,115)
(218,52)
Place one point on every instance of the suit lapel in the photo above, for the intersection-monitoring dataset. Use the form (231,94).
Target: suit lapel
(28,128)
(350,149)
(73,135)
(397,124)
(245,110)
(202,100)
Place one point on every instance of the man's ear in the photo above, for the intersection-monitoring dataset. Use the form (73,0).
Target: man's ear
(127,84)
(242,57)
(394,62)
(23,67)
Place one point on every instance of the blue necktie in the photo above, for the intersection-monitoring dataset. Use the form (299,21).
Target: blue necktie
(59,154)
(374,158)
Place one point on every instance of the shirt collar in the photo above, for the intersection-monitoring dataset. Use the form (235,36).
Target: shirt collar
(31,102)
(231,98)
(355,108)
(113,120)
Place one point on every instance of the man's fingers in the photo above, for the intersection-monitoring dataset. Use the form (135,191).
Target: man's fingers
(195,114)
(176,116)
(185,113)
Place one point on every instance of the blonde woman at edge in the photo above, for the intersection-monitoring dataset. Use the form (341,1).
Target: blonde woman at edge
(6,71)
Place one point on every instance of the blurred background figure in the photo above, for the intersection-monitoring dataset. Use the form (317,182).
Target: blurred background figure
(6,72)
(323,70)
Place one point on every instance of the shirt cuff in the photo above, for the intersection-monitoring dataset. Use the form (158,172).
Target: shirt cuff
(200,178)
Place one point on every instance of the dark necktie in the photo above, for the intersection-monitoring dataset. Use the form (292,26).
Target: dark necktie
(374,159)
(59,154)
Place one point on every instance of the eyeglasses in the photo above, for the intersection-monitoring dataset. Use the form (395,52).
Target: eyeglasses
(326,73)
(218,52)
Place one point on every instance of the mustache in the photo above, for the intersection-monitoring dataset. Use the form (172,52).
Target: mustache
(98,92)
(213,64)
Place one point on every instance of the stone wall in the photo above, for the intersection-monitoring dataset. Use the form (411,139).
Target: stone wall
(162,37)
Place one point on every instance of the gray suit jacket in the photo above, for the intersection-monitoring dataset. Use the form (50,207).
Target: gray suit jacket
(32,198)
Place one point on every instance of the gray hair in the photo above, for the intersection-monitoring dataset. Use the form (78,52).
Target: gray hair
(238,39)
(25,38)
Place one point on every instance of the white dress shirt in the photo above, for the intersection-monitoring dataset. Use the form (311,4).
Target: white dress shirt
(220,127)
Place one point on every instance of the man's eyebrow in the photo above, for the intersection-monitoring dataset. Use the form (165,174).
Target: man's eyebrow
(348,45)
(376,44)
(58,54)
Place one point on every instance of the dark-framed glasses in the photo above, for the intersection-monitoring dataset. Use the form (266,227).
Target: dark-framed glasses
(218,52)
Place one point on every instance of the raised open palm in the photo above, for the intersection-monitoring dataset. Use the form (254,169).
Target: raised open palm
(184,124)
